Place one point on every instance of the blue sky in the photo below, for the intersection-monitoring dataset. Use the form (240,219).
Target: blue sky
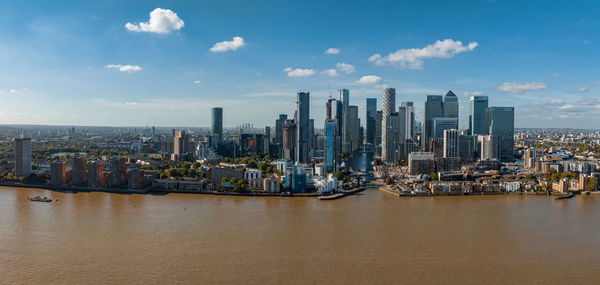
(74,62)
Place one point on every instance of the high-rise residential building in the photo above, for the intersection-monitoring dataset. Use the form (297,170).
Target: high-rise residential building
(478,115)
(410,119)
(371,117)
(22,156)
(451,105)
(217,122)
(530,158)
(95,173)
(118,171)
(330,145)
(451,143)
(378,118)
(58,173)
(353,128)
(79,170)
(345,122)
(279,134)
(389,106)
(180,142)
(502,125)
(442,124)
(433,109)
(489,147)
(311,135)
(303,127)
(289,140)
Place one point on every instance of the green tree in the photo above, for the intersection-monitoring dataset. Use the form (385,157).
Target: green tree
(591,184)
(389,181)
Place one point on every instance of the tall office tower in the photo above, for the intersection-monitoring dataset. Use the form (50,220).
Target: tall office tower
(433,109)
(478,113)
(378,128)
(450,105)
(217,122)
(353,128)
(311,135)
(389,106)
(329,107)
(58,173)
(79,170)
(489,147)
(22,156)
(371,118)
(400,131)
(289,140)
(268,133)
(95,177)
(303,127)
(451,143)
(410,119)
(345,100)
(442,124)
(502,125)
(330,145)
(279,134)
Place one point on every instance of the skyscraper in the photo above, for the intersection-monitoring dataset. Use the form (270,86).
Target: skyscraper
(502,125)
(378,117)
(389,106)
(442,124)
(79,170)
(478,113)
(22,156)
(217,122)
(450,105)
(410,119)
(279,133)
(353,128)
(371,117)
(289,140)
(433,109)
(302,127)
(345,100)
(330,145)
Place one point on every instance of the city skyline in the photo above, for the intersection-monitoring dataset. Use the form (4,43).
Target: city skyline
(91,64)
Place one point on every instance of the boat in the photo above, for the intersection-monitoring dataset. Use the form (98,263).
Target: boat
(40,199)
(564,196)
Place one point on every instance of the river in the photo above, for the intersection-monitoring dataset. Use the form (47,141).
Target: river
(370,238)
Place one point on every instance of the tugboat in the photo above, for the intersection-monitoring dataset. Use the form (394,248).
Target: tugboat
(40,199)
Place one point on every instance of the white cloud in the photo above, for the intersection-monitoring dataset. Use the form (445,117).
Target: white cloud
(196,81)
(474,93)
(369,79)
(223,46)
(583,89)
(162,21)
(555,75)
(13,91)
(332,51)
(345,67)
(131,103)
(298,72)
(330,72)
(515,87)
(413,58)
(125,68)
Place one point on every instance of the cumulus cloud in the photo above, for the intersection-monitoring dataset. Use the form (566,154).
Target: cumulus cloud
(474,93)
(515,87)
(413,58)
(125,68)
(330,72)
(162,21)
(583,89)
(223,46)
(345,67)
(298,72)
(369,79)
(196,81)
(332,51)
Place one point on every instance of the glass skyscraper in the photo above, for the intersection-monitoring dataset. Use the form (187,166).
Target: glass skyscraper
(433,109)
(502,125)
(303,127)
(478,115)
(371,119)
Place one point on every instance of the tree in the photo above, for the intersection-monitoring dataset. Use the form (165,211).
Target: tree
(433,176)
(224,179)
(389,181)
(233,180)
(591,184)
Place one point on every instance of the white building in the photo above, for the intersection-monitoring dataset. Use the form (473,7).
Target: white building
(324,185)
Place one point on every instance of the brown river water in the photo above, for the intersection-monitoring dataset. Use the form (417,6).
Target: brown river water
(372,238)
